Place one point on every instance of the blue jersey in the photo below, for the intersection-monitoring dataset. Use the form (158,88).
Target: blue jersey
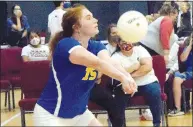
(67,91)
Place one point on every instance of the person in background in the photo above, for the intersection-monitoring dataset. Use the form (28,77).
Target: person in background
(184,20)
(179,78)
(55,17)
(157,40)
(172,65)
(18,27)
(112,38)
(34,51)
(137,61)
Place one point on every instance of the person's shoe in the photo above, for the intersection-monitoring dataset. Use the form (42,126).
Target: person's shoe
(176,112)
(146,115)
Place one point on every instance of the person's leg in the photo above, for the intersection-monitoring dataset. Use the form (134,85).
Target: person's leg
(117,111)
(177,91)
(152,94)
(114,105)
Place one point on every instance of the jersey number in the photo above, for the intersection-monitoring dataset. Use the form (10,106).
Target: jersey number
(90,74)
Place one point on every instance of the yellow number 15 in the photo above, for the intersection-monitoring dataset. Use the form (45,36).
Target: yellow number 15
(90,74)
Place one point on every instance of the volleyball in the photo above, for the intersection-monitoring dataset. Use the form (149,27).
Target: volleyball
(132,26)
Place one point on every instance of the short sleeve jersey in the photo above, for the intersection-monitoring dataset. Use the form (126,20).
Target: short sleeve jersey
(67,91)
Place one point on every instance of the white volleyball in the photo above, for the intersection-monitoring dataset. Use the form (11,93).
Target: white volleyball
(132,26)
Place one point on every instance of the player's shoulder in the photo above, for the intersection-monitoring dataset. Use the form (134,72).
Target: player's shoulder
(67,39)
(68,42)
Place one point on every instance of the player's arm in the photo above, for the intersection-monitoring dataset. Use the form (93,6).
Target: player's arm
(145,67)
(83,57)
(104,55)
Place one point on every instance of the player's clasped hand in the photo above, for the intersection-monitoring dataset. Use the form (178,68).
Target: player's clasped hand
(129,86)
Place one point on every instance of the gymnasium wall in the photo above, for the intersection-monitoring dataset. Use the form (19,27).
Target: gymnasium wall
(106,12)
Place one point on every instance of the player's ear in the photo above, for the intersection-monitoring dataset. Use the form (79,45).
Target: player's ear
(76,28)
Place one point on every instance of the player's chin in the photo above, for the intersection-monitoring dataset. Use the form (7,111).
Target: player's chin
(95,33)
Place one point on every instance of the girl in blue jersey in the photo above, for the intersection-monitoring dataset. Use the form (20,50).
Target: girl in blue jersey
(76,61)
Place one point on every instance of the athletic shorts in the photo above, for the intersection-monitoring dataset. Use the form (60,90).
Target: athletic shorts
(42,117)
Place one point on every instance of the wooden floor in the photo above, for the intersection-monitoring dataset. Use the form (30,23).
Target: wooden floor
(12,118)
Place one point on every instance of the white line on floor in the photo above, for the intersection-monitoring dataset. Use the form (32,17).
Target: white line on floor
(10,119)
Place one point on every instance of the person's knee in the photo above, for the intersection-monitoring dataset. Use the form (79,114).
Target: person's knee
(155,92)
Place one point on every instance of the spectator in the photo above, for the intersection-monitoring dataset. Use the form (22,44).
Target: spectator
(34,51)
(112,38)
(184,20)
(179,78)
(137,61)
(160,31)
(55,17)
(172,65)
(17,28)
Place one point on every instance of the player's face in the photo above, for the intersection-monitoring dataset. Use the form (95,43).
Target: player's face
(88,24)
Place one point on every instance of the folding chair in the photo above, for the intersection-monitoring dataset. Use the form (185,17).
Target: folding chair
(5,85)
(34,76)
(14,63)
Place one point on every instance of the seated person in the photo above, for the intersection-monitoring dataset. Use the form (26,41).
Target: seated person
(34,51)
(114,100)
(17,28)
(137,61)
(179,78)
(172,65)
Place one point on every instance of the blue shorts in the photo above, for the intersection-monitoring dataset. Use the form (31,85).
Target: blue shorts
(185,75)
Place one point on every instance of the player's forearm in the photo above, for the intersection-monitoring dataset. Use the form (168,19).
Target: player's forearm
(110,70)
(121,69)
(143,70)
